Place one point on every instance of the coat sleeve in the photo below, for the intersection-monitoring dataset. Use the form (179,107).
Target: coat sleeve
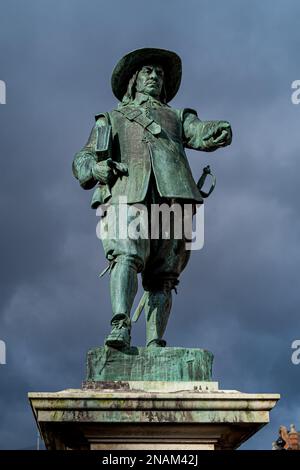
(194,129)
(86,158)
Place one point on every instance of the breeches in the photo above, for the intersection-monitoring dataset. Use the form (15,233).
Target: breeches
(160,259)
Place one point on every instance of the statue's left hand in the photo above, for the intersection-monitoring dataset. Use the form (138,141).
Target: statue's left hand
(218,134)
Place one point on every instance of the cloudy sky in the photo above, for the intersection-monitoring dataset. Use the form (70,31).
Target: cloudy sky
(239,296)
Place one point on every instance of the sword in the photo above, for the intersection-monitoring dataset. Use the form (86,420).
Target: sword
(140,307)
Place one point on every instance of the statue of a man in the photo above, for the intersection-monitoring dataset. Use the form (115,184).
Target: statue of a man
(137,151)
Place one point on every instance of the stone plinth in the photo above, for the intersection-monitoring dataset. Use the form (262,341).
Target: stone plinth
(150,415)
(137,364)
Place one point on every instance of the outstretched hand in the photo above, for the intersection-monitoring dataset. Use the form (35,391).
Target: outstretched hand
(218,134)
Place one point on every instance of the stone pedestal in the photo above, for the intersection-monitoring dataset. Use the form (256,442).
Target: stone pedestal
(149,399)
(149,415)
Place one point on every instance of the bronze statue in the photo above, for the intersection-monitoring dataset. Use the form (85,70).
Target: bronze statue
(137,151)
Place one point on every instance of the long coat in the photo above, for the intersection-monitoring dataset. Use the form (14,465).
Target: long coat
(146,139)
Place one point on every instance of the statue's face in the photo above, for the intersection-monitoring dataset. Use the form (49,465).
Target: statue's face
(150,80)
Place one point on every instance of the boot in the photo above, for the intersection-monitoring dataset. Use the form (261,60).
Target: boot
(123,288)
(157,311)
(119,337)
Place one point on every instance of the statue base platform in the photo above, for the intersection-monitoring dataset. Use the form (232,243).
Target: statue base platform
(149,415)
(137,364)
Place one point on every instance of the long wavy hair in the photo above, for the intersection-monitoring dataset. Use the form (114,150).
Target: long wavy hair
(131,91)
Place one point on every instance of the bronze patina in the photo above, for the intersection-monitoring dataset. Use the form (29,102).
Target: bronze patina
(137,150)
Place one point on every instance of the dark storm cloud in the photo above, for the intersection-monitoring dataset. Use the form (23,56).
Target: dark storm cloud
(243,288)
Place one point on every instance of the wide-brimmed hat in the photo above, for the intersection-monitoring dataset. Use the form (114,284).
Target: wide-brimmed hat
(133,61)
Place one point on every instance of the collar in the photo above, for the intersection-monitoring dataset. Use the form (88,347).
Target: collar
(141,98)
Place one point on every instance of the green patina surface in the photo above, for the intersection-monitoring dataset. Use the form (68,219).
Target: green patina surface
(157,364)
(137,152)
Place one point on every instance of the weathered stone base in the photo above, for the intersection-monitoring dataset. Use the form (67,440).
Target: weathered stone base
(150,415)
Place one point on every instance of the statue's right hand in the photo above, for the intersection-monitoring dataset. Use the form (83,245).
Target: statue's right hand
(103,172)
